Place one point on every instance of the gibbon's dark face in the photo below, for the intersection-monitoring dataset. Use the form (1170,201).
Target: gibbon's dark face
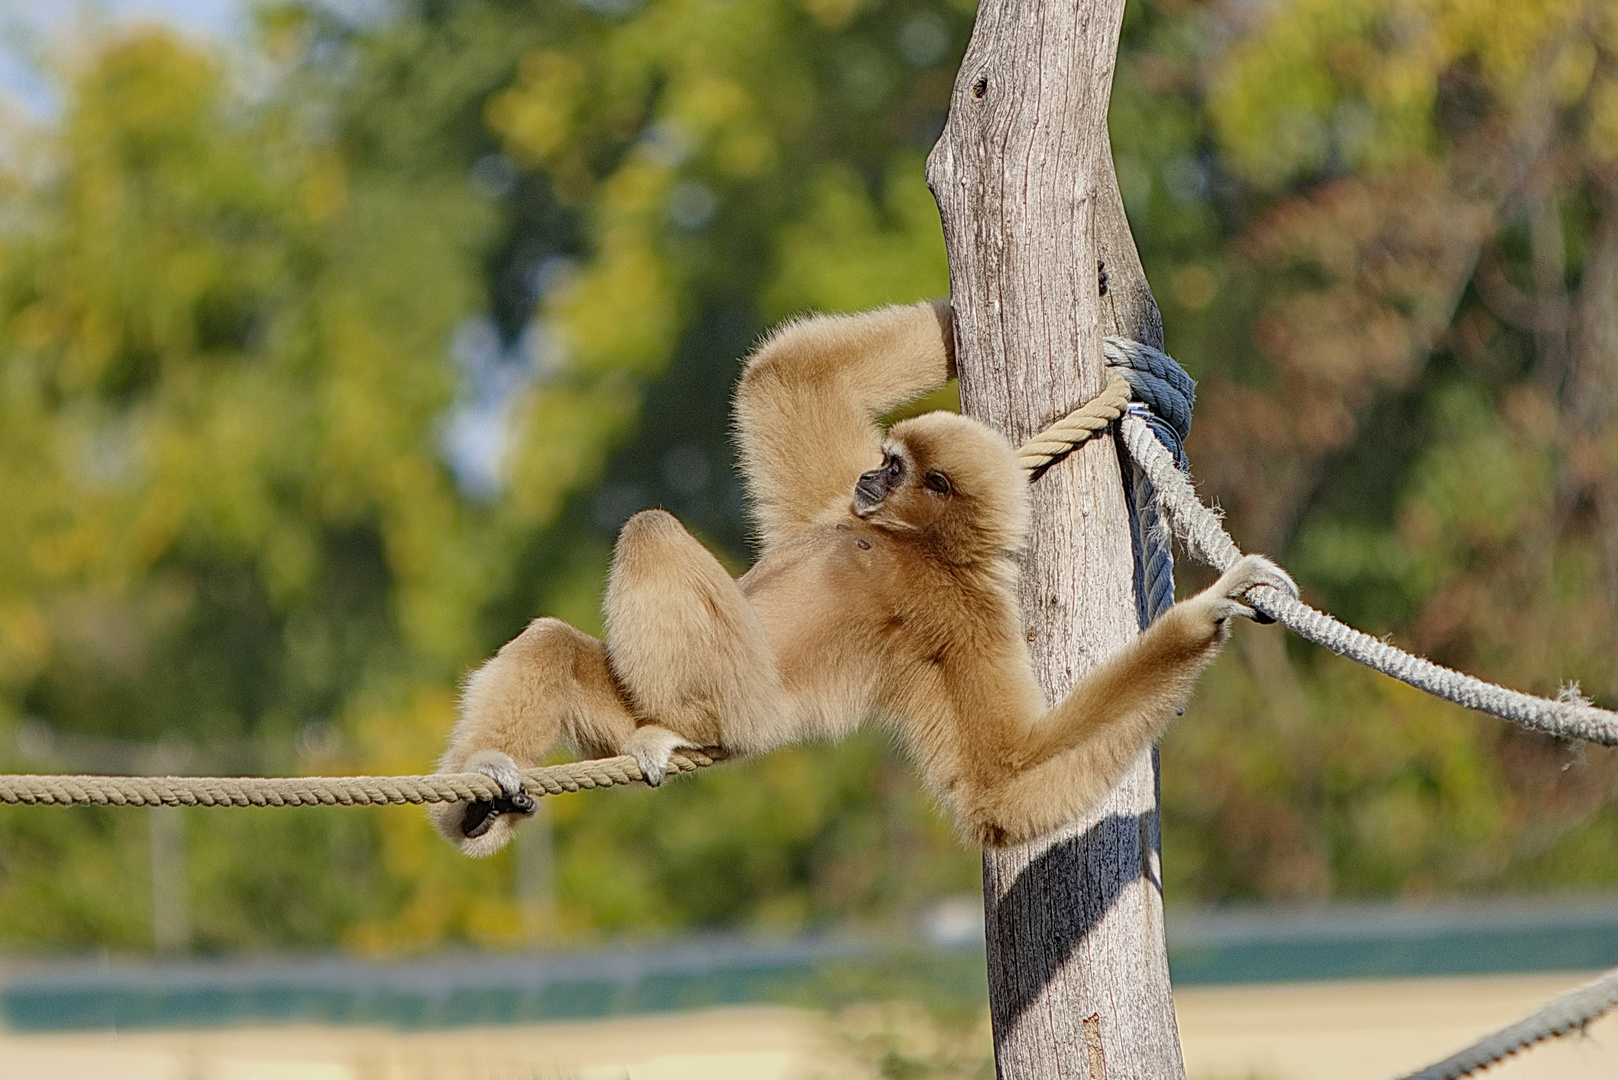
(952,481)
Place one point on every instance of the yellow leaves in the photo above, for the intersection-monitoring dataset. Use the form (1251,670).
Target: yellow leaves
(324,189)
(1509,39)
(847,254)
(563,432)
(746,154)
(1602,134)
(707,102)
(720,111)
(1279,94)
(831,14)
(25,641)
(145,91)
(1272,95)
(1570,73)
(536,115)
(618,314)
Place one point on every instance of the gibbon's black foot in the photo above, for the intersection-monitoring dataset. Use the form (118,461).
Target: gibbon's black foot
(481,815)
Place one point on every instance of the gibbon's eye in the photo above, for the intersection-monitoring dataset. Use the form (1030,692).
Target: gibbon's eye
(937,481)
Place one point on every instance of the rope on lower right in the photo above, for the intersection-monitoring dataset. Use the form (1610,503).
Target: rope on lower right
(1570,1012)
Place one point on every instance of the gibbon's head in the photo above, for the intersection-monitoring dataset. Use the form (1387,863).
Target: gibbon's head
(953,481)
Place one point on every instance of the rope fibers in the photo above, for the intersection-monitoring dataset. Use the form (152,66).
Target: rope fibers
(326,790)
(1570,1012)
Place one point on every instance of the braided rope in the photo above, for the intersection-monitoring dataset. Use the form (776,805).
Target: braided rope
(1076,428)
(1154,562)
(1572,1011)
(326,790)
(1207,540)
(1156,378)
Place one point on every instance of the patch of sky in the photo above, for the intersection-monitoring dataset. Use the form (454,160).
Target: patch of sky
(32,29)
(923,40)
(494,176)
(692,204)
(493,373)
(665,143)
(1185,178)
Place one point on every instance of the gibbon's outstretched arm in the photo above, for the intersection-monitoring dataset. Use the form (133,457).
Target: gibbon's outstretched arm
(1011,774)
(810,395)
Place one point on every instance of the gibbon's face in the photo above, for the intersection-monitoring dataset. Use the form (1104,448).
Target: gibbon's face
(951,480)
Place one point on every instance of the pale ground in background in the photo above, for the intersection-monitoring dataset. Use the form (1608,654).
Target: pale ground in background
(1314,1031)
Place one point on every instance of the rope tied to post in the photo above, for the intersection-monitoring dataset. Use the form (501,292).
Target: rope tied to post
(1146,437)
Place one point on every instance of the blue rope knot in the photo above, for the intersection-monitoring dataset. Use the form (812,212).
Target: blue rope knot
(1164,396)
(1164,391)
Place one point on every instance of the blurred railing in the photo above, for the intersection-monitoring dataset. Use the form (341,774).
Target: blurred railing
(942,964)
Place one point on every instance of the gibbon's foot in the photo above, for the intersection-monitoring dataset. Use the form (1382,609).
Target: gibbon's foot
(481,815)
(651,746)
(1248,572)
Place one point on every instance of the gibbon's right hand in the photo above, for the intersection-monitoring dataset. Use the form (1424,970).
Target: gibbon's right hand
(1249,572)
(513,798)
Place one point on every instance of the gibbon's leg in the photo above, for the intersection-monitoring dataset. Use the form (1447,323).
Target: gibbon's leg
(809,397)
(1081,749)
(549,684)
(686,645)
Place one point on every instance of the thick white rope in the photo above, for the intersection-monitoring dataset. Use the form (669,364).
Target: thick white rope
(1570,1012)
(55,790)
(1208,542)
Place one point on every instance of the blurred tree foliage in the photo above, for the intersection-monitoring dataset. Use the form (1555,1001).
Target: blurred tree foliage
(1422,209)
(321,373)
(310,377)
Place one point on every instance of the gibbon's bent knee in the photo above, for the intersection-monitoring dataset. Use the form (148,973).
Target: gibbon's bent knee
(650,524)
(544,634)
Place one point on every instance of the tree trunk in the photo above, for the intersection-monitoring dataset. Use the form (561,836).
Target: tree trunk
(1078,974)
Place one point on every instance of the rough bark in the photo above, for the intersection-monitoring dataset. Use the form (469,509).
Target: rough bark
(1078,975)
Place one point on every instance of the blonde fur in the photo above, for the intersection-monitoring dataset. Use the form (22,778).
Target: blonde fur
(885,590)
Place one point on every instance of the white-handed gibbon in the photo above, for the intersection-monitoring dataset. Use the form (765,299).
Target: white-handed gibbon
(885,591)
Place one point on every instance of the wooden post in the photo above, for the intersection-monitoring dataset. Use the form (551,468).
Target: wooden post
(1078,974)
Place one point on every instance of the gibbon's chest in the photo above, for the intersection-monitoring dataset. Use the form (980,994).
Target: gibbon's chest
(839,556)
(833,579)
